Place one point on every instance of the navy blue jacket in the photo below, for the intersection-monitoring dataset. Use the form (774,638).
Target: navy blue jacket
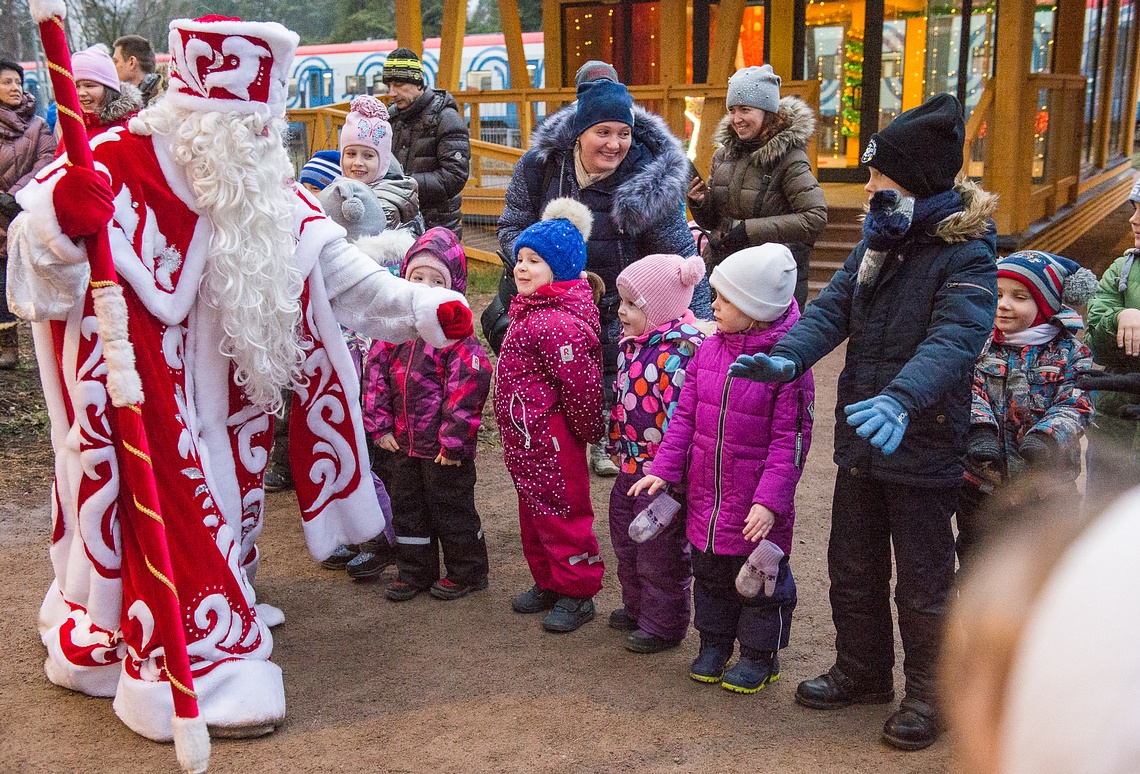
(914,334)
(638,210)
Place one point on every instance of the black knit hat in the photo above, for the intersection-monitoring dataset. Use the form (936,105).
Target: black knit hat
(403,66)
(921,150)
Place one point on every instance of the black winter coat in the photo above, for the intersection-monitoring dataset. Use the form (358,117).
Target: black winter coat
(431,141)
(914,334)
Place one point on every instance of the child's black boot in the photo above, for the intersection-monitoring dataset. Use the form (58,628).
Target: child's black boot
(708,666)
(752,672)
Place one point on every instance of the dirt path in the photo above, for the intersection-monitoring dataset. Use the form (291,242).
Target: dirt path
(465,686)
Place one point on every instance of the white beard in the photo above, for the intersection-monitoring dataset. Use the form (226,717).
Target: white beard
(238,168)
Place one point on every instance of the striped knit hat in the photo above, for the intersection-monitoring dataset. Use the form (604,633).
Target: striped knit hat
(662,286)
(1050,279)
(403,66)
(321,169)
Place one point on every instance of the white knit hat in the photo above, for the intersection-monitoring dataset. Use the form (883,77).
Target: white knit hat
(759,281)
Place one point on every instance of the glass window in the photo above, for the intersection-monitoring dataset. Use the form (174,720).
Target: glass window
(1092,67)
(1121,98)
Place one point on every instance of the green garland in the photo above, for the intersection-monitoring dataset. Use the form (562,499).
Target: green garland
(852,82)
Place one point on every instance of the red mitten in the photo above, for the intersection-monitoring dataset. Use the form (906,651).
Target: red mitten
(83,202)
(455,319)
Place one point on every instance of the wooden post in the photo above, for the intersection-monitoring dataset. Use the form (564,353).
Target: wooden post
(552,43)
(516,60)
(409,26)
(782,19)
(476,177)
(722,64)
(1009,152)
(451,44)
(674,52)
(1068,36)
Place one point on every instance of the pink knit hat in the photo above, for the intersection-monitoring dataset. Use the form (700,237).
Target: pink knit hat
(662,285)
(93,64)
(367,125)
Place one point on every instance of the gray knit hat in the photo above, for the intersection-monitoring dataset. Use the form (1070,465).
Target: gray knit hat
(596,70)
(759,281)
(1135,195)
(757,87)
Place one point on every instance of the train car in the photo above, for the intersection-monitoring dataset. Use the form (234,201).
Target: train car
(337,72)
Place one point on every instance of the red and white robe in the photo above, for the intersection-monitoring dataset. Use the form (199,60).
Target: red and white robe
(209,446)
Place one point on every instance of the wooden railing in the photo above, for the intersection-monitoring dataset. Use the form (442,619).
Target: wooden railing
(1056,122)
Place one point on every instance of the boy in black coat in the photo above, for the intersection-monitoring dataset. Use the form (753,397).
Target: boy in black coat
(915,300)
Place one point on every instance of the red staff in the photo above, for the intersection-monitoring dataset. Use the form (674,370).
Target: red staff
(139,512)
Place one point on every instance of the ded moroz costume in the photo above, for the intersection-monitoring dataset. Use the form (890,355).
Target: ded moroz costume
(215,342)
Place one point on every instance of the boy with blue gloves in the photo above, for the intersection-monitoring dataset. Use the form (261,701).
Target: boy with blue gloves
(915,302)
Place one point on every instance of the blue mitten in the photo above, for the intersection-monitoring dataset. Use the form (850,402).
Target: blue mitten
(761,368)
(881,420)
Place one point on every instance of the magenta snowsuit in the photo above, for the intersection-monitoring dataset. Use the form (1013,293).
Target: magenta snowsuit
(736,442)
(655,576)
(548,403)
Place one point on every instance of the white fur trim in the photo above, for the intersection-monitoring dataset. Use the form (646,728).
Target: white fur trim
(40,287)
(36,200)
(425,306)
(185,89)
(191,744)
(269,615)
(387,248)
(573,211)
(123,383)
(237,694)
(43,10)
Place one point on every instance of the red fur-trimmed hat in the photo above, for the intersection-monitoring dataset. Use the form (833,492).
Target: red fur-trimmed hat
(227,65)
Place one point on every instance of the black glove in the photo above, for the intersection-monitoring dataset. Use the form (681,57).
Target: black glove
(1102,380)
(9,209)
(982,444)
(1038,449)
(733,240)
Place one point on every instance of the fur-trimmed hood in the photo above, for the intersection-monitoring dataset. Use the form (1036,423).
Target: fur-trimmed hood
(973,221)
(800,120)
(976,217)
(127,103)
(653,187)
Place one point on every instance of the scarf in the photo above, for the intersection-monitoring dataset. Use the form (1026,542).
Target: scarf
(892,218)
(587,178)
(1038,334)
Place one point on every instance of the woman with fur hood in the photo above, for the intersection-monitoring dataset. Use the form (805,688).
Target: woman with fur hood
(761,187)
(105,101)
(629,170)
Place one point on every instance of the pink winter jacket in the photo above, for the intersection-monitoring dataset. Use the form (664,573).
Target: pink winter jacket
(737,442)
(550,362)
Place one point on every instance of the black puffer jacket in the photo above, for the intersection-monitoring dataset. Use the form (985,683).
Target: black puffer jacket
(913,334)
(431,141)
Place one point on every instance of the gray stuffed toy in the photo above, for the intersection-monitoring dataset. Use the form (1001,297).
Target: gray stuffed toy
(354,205)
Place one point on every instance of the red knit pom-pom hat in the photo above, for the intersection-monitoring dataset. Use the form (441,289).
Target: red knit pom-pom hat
(662,285)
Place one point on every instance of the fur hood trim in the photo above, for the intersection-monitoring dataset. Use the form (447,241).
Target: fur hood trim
(801,126)
(130,100)
(653,188)
(974,220)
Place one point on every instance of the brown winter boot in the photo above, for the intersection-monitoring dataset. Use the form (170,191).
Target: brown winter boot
(9,347)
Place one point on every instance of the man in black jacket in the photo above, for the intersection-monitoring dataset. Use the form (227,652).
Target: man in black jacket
(430,139)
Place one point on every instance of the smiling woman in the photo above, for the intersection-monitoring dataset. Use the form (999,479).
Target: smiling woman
(26,145)
(626,166)
(105,101)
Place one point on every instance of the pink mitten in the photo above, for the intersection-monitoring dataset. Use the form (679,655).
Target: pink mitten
(760,570)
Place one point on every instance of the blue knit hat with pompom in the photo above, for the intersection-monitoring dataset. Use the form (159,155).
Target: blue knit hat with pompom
(560,237)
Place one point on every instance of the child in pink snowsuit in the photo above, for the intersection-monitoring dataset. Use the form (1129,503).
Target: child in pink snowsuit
(660,336)
(548,403)
(740,451)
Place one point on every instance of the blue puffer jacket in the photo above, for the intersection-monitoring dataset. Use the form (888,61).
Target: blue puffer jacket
(914,335)
(638,210)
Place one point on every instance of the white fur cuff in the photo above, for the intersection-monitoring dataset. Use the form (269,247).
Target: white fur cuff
(425,308)
(191,744)
(43,10)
